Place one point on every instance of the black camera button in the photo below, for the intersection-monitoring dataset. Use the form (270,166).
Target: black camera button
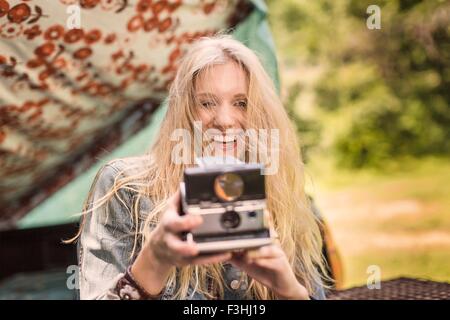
(252,214)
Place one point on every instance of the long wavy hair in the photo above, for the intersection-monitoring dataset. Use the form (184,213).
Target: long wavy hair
(294,222)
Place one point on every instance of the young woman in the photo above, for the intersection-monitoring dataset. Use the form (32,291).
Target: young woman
(129,244)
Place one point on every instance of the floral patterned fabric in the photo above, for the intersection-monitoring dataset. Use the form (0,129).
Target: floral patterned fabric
(67,93)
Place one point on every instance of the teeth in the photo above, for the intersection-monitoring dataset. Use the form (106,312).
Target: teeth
(224,139)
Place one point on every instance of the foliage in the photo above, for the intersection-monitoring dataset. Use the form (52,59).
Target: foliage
(381,94)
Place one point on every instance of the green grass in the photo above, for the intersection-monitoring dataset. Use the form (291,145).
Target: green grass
(423,170)
(418,263)
(397,218)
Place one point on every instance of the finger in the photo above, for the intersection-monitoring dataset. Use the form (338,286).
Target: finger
(179,247)
(221,257)
(269,219)
(172,208)
(274,235)
(242,258)
(175,224)
(174,200)
(265,263)
(268,251)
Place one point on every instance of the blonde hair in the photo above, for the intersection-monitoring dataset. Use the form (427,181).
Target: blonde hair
(292,217)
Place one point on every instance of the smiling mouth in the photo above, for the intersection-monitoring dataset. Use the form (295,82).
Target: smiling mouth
(227,142)
(225,139)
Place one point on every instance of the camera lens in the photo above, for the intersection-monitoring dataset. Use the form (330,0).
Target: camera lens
(230,220)
(228,186)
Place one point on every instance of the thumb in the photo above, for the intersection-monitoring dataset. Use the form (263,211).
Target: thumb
(174,200)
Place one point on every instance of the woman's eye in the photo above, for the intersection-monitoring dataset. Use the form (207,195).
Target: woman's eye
(206,104)
(241,103)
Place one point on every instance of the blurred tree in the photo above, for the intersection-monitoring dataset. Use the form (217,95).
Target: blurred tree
(382,94)
(307,130)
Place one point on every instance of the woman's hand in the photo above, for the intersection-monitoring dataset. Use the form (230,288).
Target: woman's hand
(166,244)
(270,266)
(165,250)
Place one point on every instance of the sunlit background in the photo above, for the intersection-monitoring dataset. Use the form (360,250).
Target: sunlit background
(372,110)
(373,119)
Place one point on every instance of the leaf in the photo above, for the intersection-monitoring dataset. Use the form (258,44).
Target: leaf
(123,6)
(38,10)
(38,16)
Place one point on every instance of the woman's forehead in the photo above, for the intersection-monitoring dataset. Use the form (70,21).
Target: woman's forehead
(226,79)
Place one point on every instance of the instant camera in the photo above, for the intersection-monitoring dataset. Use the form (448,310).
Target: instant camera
(230,196)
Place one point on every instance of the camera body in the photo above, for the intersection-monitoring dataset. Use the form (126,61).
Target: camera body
(232,201)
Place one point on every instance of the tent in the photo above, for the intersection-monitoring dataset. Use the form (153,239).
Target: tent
(69,94)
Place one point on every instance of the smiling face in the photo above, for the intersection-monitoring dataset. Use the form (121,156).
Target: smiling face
(221,95)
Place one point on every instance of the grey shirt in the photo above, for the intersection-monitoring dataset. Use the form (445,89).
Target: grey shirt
(107,240)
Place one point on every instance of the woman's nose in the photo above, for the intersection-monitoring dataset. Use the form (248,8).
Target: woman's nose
(224,117)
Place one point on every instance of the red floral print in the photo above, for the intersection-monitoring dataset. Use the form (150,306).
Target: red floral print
(10,30)
(4,7)
(82,53)
(209,7)
(159,6)
(19,13)
(150,24)
(89,4)
(2,135)
(104,89)
(37,16)
(68,1)
(165,24)
(110,38)
(171,7)
(45,74)
(59,63)
(143,5)
(135,23)
(174,55)
(142,72)
(92,36)
(73,35)
(54,32)
(109,63)
(33,32)
(109,4)
(45,50)
(35,63)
